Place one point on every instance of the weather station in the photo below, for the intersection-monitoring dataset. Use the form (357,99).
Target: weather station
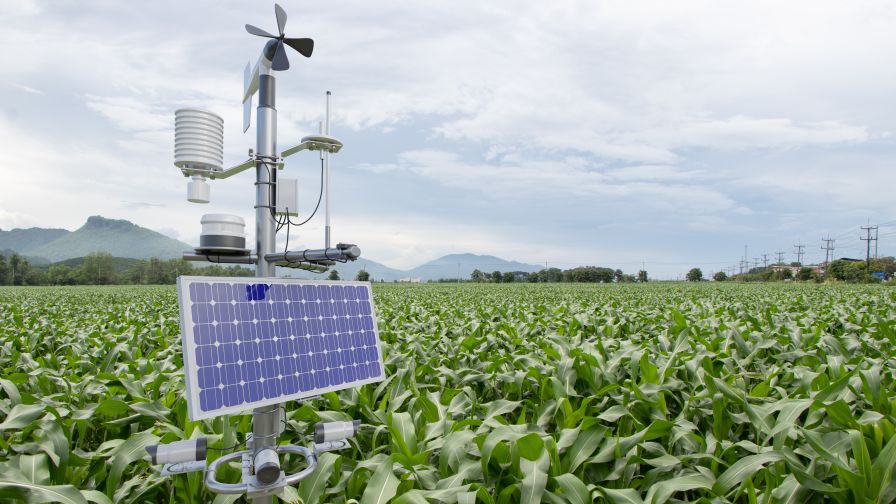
(251,344)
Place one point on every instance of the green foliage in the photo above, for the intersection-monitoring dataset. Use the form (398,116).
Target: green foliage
(589,274)
(720,276)
(362,276)
(641,393)
(694,275)
(805,274)
(334,275)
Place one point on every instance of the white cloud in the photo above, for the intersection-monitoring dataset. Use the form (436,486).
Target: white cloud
(709,114)
(27,89)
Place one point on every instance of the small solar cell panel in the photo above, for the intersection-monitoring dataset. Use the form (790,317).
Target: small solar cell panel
(250,342)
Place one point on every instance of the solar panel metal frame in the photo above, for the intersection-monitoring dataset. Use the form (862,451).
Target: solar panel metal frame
(191,367)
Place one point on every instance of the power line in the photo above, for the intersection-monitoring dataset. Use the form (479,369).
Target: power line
(867,241)
(828,248)
(799,252)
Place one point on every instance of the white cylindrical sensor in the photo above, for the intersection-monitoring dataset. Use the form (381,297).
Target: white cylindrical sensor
(198,139)
(267,466)
(222,232)
(178,452)
(198,190)
(335,431)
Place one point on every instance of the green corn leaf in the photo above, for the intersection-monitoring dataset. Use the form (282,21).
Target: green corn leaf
(454,450)
(585,444)
(128,452)
(573,489)
(16,487)
(96,496)
(404,434)
(742,469)
(623,496)
(535,478)
(382,486)
(311,489)
(21,416)
(660,492)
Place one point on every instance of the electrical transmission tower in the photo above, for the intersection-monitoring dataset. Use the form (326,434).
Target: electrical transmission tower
(765,261)
(799,253)
(780,257)
(828,248)
(868,239)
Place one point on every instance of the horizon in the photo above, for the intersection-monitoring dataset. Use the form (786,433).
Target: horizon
(577,134)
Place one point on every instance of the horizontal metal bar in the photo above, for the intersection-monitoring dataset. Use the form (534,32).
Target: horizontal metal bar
(221,259)
(219,174)
(347,253)
(317,268)
(211,481)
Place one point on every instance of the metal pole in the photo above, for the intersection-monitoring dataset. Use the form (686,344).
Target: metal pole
(265,420)
(327,179)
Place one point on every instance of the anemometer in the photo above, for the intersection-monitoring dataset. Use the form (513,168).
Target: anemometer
(254,343)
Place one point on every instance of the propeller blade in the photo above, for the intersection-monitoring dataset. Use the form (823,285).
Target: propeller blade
(258,31)
(280,61)
(305,46)
(281,17)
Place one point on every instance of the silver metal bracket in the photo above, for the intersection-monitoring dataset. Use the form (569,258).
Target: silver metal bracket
(323,143)
(330,446)
(250,485)
(183,468)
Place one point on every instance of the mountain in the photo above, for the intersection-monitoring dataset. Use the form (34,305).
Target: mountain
(452,265)
(125,240)
(443,267)
(120,238)
(23,241)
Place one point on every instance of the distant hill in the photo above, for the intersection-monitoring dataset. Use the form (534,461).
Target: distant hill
(443,267)
(126,242)
(448,266)
(120,238)
(23,241)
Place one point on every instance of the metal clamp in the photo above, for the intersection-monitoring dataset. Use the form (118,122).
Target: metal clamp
(250,485)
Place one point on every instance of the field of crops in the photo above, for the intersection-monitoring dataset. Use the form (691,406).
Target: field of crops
(495,393)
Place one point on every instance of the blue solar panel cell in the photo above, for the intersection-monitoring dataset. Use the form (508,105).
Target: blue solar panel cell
(258,341)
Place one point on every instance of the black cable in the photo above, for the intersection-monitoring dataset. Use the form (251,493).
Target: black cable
(225,449)
(319,199)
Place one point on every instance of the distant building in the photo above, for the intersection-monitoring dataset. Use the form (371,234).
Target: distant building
(409,280)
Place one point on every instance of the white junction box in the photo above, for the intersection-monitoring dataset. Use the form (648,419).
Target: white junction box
(288,196)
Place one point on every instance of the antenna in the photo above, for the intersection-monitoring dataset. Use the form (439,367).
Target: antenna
(199,145)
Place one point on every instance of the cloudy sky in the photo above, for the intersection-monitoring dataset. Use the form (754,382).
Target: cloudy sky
(597,132)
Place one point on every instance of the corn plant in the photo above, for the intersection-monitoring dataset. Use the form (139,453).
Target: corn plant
(494,394)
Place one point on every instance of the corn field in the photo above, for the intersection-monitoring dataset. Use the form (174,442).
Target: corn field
(517,393)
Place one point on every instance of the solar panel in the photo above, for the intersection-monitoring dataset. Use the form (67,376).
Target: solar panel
(250,342)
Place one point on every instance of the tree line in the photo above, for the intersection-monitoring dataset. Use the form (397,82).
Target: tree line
(101,268)
(841,270)
(581,274)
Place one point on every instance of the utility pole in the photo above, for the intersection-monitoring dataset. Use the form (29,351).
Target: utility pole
(755,262)
(799,253)
(867,229)
(828,248)
(780,257)
(765,261)
(875,242)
